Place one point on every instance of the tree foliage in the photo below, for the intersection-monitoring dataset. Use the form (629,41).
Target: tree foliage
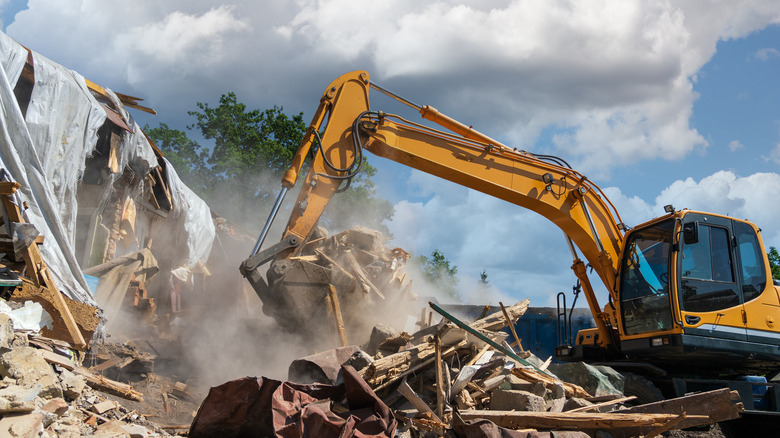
(774,262)
(440,272)
(239,173)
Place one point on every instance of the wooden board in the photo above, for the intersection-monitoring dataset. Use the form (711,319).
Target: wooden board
(715,406)
(568,421)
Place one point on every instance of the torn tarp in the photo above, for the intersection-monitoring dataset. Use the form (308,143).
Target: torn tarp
(19,158)
(46,150)
(260,407)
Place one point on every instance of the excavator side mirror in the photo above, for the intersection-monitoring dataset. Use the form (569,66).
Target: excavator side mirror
(691,232)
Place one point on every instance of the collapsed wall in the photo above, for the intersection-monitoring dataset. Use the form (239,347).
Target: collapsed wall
(90,181)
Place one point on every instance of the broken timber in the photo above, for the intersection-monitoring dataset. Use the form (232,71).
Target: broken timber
(39,272)
(702,408)
(568,421)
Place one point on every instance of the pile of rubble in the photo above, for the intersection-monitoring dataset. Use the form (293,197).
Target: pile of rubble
(448,379)
(45,392)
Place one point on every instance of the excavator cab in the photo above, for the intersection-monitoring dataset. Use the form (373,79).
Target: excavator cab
(695,286)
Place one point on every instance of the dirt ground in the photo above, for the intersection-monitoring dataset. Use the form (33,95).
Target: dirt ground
(714,432)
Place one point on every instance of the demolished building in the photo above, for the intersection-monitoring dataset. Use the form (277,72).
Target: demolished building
(91,182)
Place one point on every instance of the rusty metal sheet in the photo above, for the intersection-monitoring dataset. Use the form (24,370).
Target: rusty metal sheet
(256,407)
(321,367)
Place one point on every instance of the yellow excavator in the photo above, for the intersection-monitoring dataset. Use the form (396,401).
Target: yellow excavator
(692,304)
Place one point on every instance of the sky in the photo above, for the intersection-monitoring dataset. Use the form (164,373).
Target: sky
(657,102)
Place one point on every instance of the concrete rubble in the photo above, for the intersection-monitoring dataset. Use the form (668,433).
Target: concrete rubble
(44,393)
(447,379)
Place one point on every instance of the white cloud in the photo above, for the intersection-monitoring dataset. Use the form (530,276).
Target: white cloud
(614,76)
(766,53)
(774,155)
(182,41)
(735,145)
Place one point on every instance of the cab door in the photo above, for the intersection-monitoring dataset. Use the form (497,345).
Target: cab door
(710,298)
(762,309)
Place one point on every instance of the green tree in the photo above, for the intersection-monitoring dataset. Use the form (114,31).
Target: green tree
(483,281)
(440,272)
(239,175)
(774,262)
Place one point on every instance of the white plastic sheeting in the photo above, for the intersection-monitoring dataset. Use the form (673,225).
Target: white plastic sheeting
(46,154)
(63,119)
(19,158)
(190,221)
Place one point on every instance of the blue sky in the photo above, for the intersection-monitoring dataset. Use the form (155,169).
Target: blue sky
(657,102)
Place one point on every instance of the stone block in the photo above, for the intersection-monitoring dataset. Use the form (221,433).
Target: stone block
(359,360)
(56,406)
(503,400)
(379,334)
(6,331)
(555,404)
(72,384)
(22,426)
(15,406)
(597,380)
(29,368)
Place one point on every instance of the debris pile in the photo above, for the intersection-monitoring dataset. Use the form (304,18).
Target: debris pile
(341,285)
(451,378)
(45,391)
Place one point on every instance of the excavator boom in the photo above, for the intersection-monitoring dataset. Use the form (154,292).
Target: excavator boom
(344,126)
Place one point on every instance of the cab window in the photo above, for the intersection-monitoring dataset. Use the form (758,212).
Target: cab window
(752,261)
(707,282)
(644,280)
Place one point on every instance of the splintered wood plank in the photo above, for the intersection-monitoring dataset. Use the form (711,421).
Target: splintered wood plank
(9,187)
(416,401)
(511,325)
(334,302)
(361,274)
(571,389)
(496,321)
(110,386)
(568,421)
(439,378)
(39,272)
(715,405)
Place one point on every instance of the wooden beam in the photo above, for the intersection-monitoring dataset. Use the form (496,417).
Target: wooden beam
(569,421)
(9,187)
(511,326)
(334,302)
(38,272)
(715,405)
(439,378)
(603,404)
(666,427)
(495,321)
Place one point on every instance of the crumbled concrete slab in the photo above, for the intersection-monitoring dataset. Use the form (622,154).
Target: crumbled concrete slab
(22,425)
(72,384)
(29,368)
(508,400)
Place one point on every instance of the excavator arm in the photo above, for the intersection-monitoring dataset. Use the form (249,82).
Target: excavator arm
(344,126)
